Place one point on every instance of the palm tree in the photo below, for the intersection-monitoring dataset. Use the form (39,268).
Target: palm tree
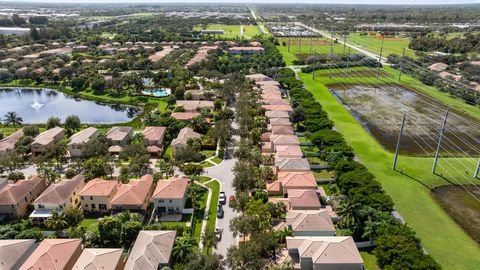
(56,222)
(195,194)
(370,229)
(12,118)
(209,240)
(183,246)
(349,214)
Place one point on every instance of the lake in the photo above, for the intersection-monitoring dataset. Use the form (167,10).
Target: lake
(37,105)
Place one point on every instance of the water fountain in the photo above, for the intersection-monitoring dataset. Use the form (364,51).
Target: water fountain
(36,105)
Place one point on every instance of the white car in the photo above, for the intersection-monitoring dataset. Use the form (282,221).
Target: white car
(222,199)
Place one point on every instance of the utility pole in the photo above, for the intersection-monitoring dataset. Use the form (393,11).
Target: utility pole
(380,59)
(311,44)
(401,65)
(348,62)
(398,143)
(477,171)
(299,43)
(344,42)
(440,139)
(331,56)
(314,65)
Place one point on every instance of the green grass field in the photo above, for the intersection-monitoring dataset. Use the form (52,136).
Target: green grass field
(410,191)
(373,44)
(233,31)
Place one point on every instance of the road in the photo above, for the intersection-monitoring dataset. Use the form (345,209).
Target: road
(223,172)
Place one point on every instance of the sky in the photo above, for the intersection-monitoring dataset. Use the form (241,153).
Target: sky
(404,2)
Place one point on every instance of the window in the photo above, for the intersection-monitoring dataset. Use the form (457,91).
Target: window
(25,199)
(41,206)
(13,206)
(81,197)
(91,198)
(169,201)
(93,206)
(102,206)
(161,201)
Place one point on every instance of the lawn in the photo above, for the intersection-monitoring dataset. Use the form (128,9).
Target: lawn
(410,191)
(90,224)
(373,44)
(208,153)
(323,174)
(198,216)
(212,212)
(232,31)
(369,260)
(203,179)
(217,160)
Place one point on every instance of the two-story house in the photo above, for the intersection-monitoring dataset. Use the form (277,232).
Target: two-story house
(170,196)
(79,139)
(46,140)
(15,197)
(97,195)
(153,139)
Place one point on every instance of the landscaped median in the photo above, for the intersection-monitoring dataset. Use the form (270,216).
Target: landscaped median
(441,236)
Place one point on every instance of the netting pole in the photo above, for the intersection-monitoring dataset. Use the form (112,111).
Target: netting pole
(401,65)
(398,143)
(380,59)
(440,139)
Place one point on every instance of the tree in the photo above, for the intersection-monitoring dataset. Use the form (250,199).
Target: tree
(96,167)
(245,176)
(12,119)
(31,131)
(10,161)
(349,214)
(204,262)
(130,230)
(53,122)
(56,222)
(195,194)
(244,225)
(73,216)
(245,256)
(109,231)
(165,167)
(72,123)
(210,240)
(183,247)
(32,233)
(192,169)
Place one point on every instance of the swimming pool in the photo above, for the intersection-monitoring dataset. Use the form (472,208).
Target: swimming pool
(161,92)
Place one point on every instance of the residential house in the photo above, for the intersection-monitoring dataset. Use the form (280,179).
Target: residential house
(153,139)
(151,251)
(194,105)
(288,151)
(258,77)
(276,114)
(292,165)
(282,107)
(161,54)
(280,122)
(282,130)
(447,75)
(291,180)
(120,136)
(324,252)
(277,140)
(303,199)
(7,144)
(100,259)
(79,139)
(15,197)
(135,195)
(246,50)
(57,197)
(54,254)
(182,138)
(97,195)
(14,252)
(310,223)
(170,195)
(201,55)
(46,140)
(184,116)
(438,67)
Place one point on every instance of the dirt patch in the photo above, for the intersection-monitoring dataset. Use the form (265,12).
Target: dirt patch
(307,42)
(380,109)
(357,74)
(304,56)
(462,206)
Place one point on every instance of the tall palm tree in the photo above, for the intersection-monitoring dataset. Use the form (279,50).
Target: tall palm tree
(56,222)
(183,246)
(349,214)
(12,118)
(370,229)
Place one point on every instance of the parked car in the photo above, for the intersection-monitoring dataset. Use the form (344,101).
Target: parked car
(219,232)
(220,212)
(222,199)
(231,198)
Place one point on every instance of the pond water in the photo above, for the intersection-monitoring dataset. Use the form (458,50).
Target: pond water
(37,105)
(380,110)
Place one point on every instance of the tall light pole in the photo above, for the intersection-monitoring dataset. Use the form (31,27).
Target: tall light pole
(440,139)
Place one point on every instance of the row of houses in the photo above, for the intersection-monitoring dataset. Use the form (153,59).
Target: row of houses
(151,250)
(314,244)
(441,70)
(97,195)
(203,51)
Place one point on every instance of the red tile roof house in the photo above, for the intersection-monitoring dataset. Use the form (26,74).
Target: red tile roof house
(184,116)
(258,77)
(282,130)
(58,196)
(97,195)
(310,223)
(100,259)
(286,108)
(284,140)
(135,195)
(46,140)
(438,67)
(79,139)
(276,114)
(194,105)
(152,250)
(170,196)
(291,180)
(280,122)
(13,253)
(288,151)
(7,144)
(153,139)
(271,96)
(182,138)
(274,101)
(14,198)
(54,254)
(246,50)
(303,199)
(324,252)
(119,136)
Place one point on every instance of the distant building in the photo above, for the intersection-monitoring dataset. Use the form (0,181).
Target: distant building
(7,144)
(246,50)
(212,32)
(14,31)
(79,139)
(438,67)
(46,140)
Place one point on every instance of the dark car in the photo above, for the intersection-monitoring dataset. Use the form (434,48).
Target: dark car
(220,211)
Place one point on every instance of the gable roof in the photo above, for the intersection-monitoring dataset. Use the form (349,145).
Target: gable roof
(286,108)
(281,139)
(185,134)
(83,136)
(8,143)
(47,136)
(282,130)
(59,193)
(151,249)
(172,188)
(276,114)
(297,179)
(133,193)
(192,105)
(280,122)
(258,77)
(326,249)
(53,254)
(299,164)
(119,133)
(99,259)
(310,221)
(13,193)
(303,198)
(438,67)
(184,115)
(13,252)
(98,187)
(288,151)
(154,133)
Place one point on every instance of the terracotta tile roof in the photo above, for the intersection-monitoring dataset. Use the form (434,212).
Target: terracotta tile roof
(310,221)
(247,49)
(266,136)
(303,199)
(280,122)
(284,140)
(184,115)
(53,254)
(99,259)
(267,83)
(282,130)
(47,136)
(258,77)
(201,54)
(151,249)
(161,54)
(99,187)
(292,164)
(438,67)
(83,136)
(59,193)
(451,76)
(288,151)
(297,179)
(173,188)
(274,101)
(153,149)
(13,193)
(327,250)
(119,133)
(133,193)
(192,105)
(8,143)
(274,186)
(154,133)
(286,108)
(115,149)
(276,114)
(271,96)
(185,134)
(14,252)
